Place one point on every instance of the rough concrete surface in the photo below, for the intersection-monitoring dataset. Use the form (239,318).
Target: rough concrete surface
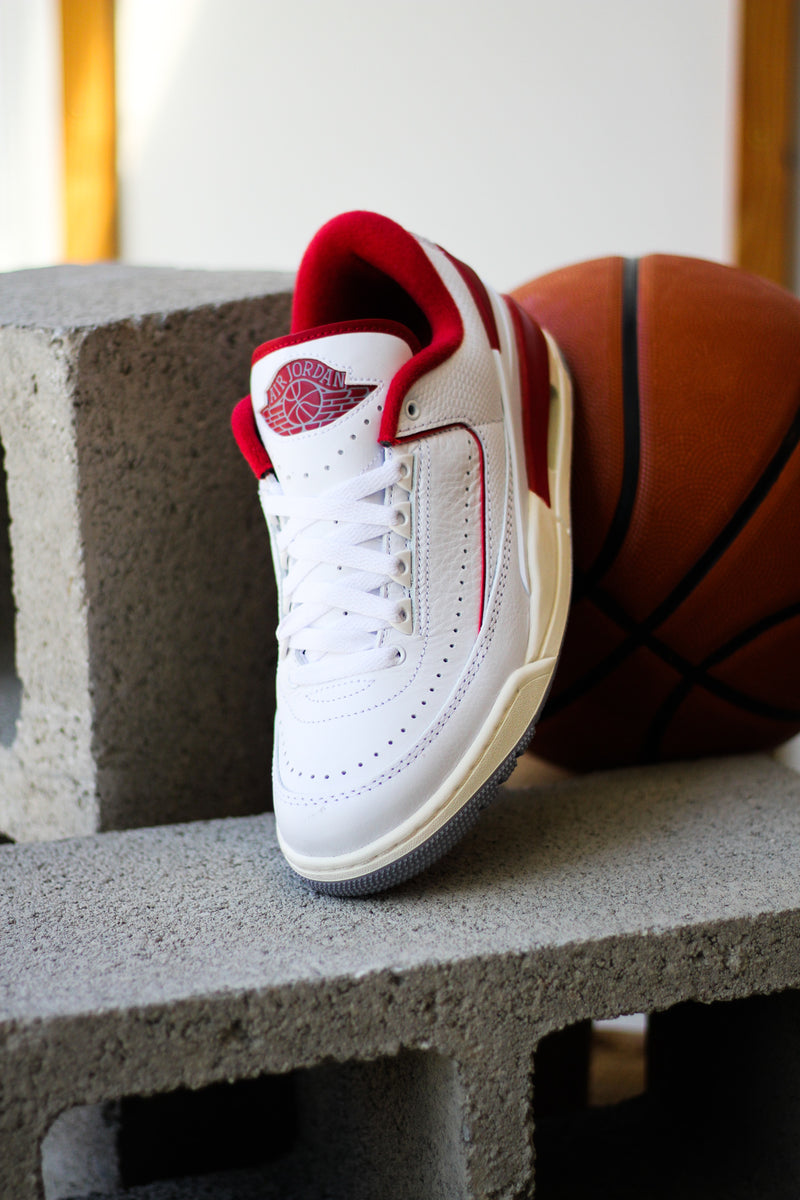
(145,961)
(145,618)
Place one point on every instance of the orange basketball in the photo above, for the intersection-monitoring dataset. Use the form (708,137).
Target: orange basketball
(684,632)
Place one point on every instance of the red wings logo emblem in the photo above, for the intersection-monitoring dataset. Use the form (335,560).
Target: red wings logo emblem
(307,393)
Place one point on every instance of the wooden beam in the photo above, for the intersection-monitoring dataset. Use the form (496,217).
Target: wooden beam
(767,167)
(90,160)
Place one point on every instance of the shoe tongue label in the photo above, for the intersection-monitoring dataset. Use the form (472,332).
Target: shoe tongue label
(307,393)
(303,394)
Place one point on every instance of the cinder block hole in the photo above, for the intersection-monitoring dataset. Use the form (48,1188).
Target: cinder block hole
(392,1128)
(718,1117)
(217,1128)
(590,1099)
(10,685)
(592,1064)
(94,1149)
(617,1060)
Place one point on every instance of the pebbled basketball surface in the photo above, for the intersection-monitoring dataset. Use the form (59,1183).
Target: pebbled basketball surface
(684,632)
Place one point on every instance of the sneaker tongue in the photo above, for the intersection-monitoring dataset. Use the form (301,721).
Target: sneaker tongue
(318,401)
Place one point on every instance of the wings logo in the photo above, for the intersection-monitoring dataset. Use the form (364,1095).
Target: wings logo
(307,393)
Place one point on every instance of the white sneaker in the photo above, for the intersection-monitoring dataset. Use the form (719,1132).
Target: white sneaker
(412,441)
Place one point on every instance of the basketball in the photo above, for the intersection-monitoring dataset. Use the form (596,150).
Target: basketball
(684,631)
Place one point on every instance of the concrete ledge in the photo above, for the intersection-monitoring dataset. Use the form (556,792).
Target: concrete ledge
(144,634)
(141,962)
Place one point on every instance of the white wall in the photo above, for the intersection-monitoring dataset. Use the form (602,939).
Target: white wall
(521,134)
(30,134)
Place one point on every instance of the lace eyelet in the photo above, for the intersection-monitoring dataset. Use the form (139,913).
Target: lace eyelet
(399,655)
(412,410)
(402,567)
(402,519)
(403,616)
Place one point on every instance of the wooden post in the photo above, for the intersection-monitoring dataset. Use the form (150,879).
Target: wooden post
(90,167)
(767,167)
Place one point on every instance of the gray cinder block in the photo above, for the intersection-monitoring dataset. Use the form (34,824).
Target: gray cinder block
(150,960)
(144,632)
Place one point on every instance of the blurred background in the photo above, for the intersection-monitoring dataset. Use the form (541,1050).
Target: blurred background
(523,134)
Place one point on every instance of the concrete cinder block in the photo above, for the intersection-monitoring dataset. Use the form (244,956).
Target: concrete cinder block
(144,635)
(142,962)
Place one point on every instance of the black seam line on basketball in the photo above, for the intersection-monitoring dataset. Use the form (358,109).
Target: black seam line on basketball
(722,691)
(752,502)
(740,640)
(693,577)
(664,714)
(697,674)
(638,636)
(670,706)
(631,432)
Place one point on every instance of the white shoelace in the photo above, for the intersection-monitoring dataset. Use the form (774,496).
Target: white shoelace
(334,623)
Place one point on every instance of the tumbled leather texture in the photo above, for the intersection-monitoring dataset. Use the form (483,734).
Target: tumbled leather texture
(465,387)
